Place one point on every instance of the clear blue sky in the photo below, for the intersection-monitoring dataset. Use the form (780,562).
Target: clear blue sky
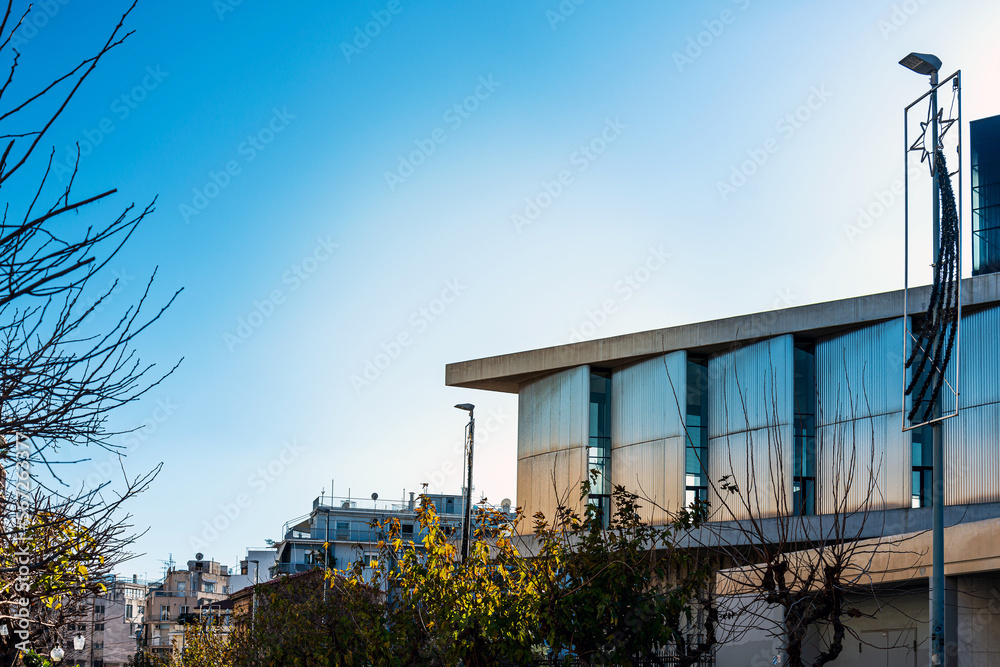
(322,198)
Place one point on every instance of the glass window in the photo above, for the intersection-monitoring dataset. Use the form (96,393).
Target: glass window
(209,586)
(599,450)
(696,421)
(923,466)
(804,464)
(985,143)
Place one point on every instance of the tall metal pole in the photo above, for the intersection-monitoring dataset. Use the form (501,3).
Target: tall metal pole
(326,548)
(467,518)
(937,488)
(253,596)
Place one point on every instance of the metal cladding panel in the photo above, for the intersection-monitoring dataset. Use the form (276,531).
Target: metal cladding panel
(751,388)
(972,455)
(750,412)
(759,463)
(860,373)
(647,403)
(553,413)
(979,379)
(863,463)
(545,480)
(654,470)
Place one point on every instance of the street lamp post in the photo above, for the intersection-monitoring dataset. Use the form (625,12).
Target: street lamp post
(467,516)
(253,596)
(927,64)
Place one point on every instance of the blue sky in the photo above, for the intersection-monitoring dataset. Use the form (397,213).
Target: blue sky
(468,179)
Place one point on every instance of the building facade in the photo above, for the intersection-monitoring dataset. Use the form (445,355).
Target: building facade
(181,595)
(111,625)
(803,409)
(348,526)
(985,144)
(255,567)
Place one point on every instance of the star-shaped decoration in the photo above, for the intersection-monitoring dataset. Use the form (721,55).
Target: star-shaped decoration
(944,124)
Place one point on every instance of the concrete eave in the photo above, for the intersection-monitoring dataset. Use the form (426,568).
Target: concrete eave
(506,372)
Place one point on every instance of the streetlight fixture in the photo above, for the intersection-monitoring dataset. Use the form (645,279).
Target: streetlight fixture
(928,64)
(470,430)
(79,642)
(922,63)
(57,654)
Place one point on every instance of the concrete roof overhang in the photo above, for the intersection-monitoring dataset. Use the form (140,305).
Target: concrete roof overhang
(506,372)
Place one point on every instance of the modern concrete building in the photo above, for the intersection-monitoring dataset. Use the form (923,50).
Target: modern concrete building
(789,404)
(177,597)
(985,144)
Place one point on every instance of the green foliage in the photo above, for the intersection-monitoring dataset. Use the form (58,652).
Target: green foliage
(294,625)
(143,659)
(71,550)
(610,595)
(483,611)
(619,592)
(32,659)
(205,645)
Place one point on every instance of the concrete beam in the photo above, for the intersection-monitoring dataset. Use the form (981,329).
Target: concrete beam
(506,372)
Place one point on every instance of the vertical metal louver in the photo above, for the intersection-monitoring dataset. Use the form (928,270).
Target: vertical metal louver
(750,428)
(863,455)
(552,437)
(647,436)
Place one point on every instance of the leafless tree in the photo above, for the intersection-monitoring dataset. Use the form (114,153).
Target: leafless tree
(61,371)
(817,570)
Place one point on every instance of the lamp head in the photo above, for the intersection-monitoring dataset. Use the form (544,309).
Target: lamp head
(921,63)
(468,407)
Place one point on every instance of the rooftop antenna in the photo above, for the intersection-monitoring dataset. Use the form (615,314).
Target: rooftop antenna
(167,565)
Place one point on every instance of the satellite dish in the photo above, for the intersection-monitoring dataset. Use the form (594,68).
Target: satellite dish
(505,504)
(374,496)
(199,556)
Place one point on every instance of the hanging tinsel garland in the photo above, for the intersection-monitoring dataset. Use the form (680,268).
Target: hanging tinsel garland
(936,338)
